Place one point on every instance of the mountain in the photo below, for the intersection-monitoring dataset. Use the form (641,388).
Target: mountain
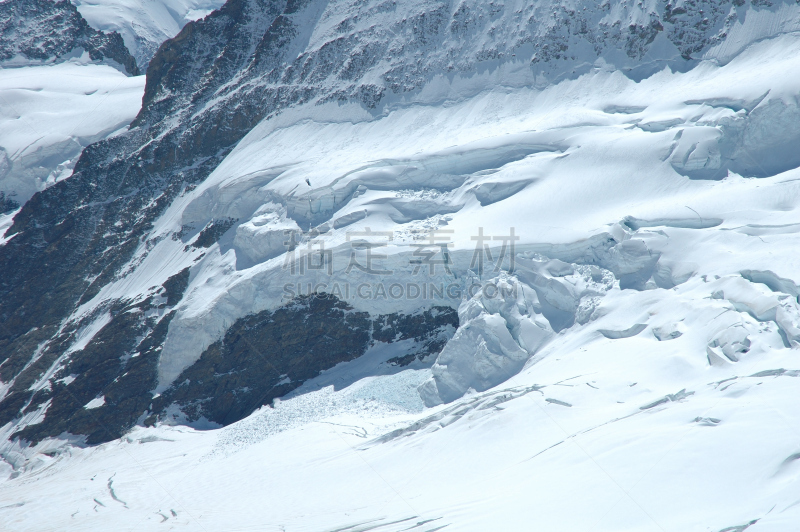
(144,25)
(49,31)
(63,85)
(435,250)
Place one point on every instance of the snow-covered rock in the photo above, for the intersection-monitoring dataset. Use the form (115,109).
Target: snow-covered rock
(144,24)
(42,31)
(645,318)
(63,86)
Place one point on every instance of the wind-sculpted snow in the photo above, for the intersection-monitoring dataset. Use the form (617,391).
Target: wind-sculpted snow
(63,86)
(605,192)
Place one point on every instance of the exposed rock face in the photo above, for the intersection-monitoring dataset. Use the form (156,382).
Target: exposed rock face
(262,356)
(7,204)
(46,31)
(206,89)
(94,220)
(119,364)
(144,26)
(269,354)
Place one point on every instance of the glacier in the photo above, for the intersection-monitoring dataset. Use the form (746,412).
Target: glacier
(63,86)
(629,364)
(51,113)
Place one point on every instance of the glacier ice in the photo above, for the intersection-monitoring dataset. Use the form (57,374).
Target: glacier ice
(635,369)
(499,330)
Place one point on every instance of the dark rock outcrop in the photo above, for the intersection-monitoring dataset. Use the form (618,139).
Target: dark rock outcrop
(7,204)
(43,30)
(261,357)
(269,354)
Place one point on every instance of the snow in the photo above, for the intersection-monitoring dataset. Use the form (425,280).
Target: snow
(643,376)
(49,113)
(755,25)
(85,335)
(499,331)
(6,220)
(97,402)
(577,164)
(507,459)
(144,24)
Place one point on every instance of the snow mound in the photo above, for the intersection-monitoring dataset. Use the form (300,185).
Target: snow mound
(52,112)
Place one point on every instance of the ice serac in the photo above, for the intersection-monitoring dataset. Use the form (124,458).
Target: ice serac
(511,318)
(498,333)
(415,117)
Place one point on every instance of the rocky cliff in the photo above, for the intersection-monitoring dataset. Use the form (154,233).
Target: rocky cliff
(46,31)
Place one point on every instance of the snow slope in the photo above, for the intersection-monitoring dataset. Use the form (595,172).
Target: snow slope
(49,113)
(144,24)
(359,83)
(601,434)
(584,155)
(643,375)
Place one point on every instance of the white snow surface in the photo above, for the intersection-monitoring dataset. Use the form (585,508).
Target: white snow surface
(586,401)
(49,113)
(575,159)
(600,434)
(144,24)
(6,220)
